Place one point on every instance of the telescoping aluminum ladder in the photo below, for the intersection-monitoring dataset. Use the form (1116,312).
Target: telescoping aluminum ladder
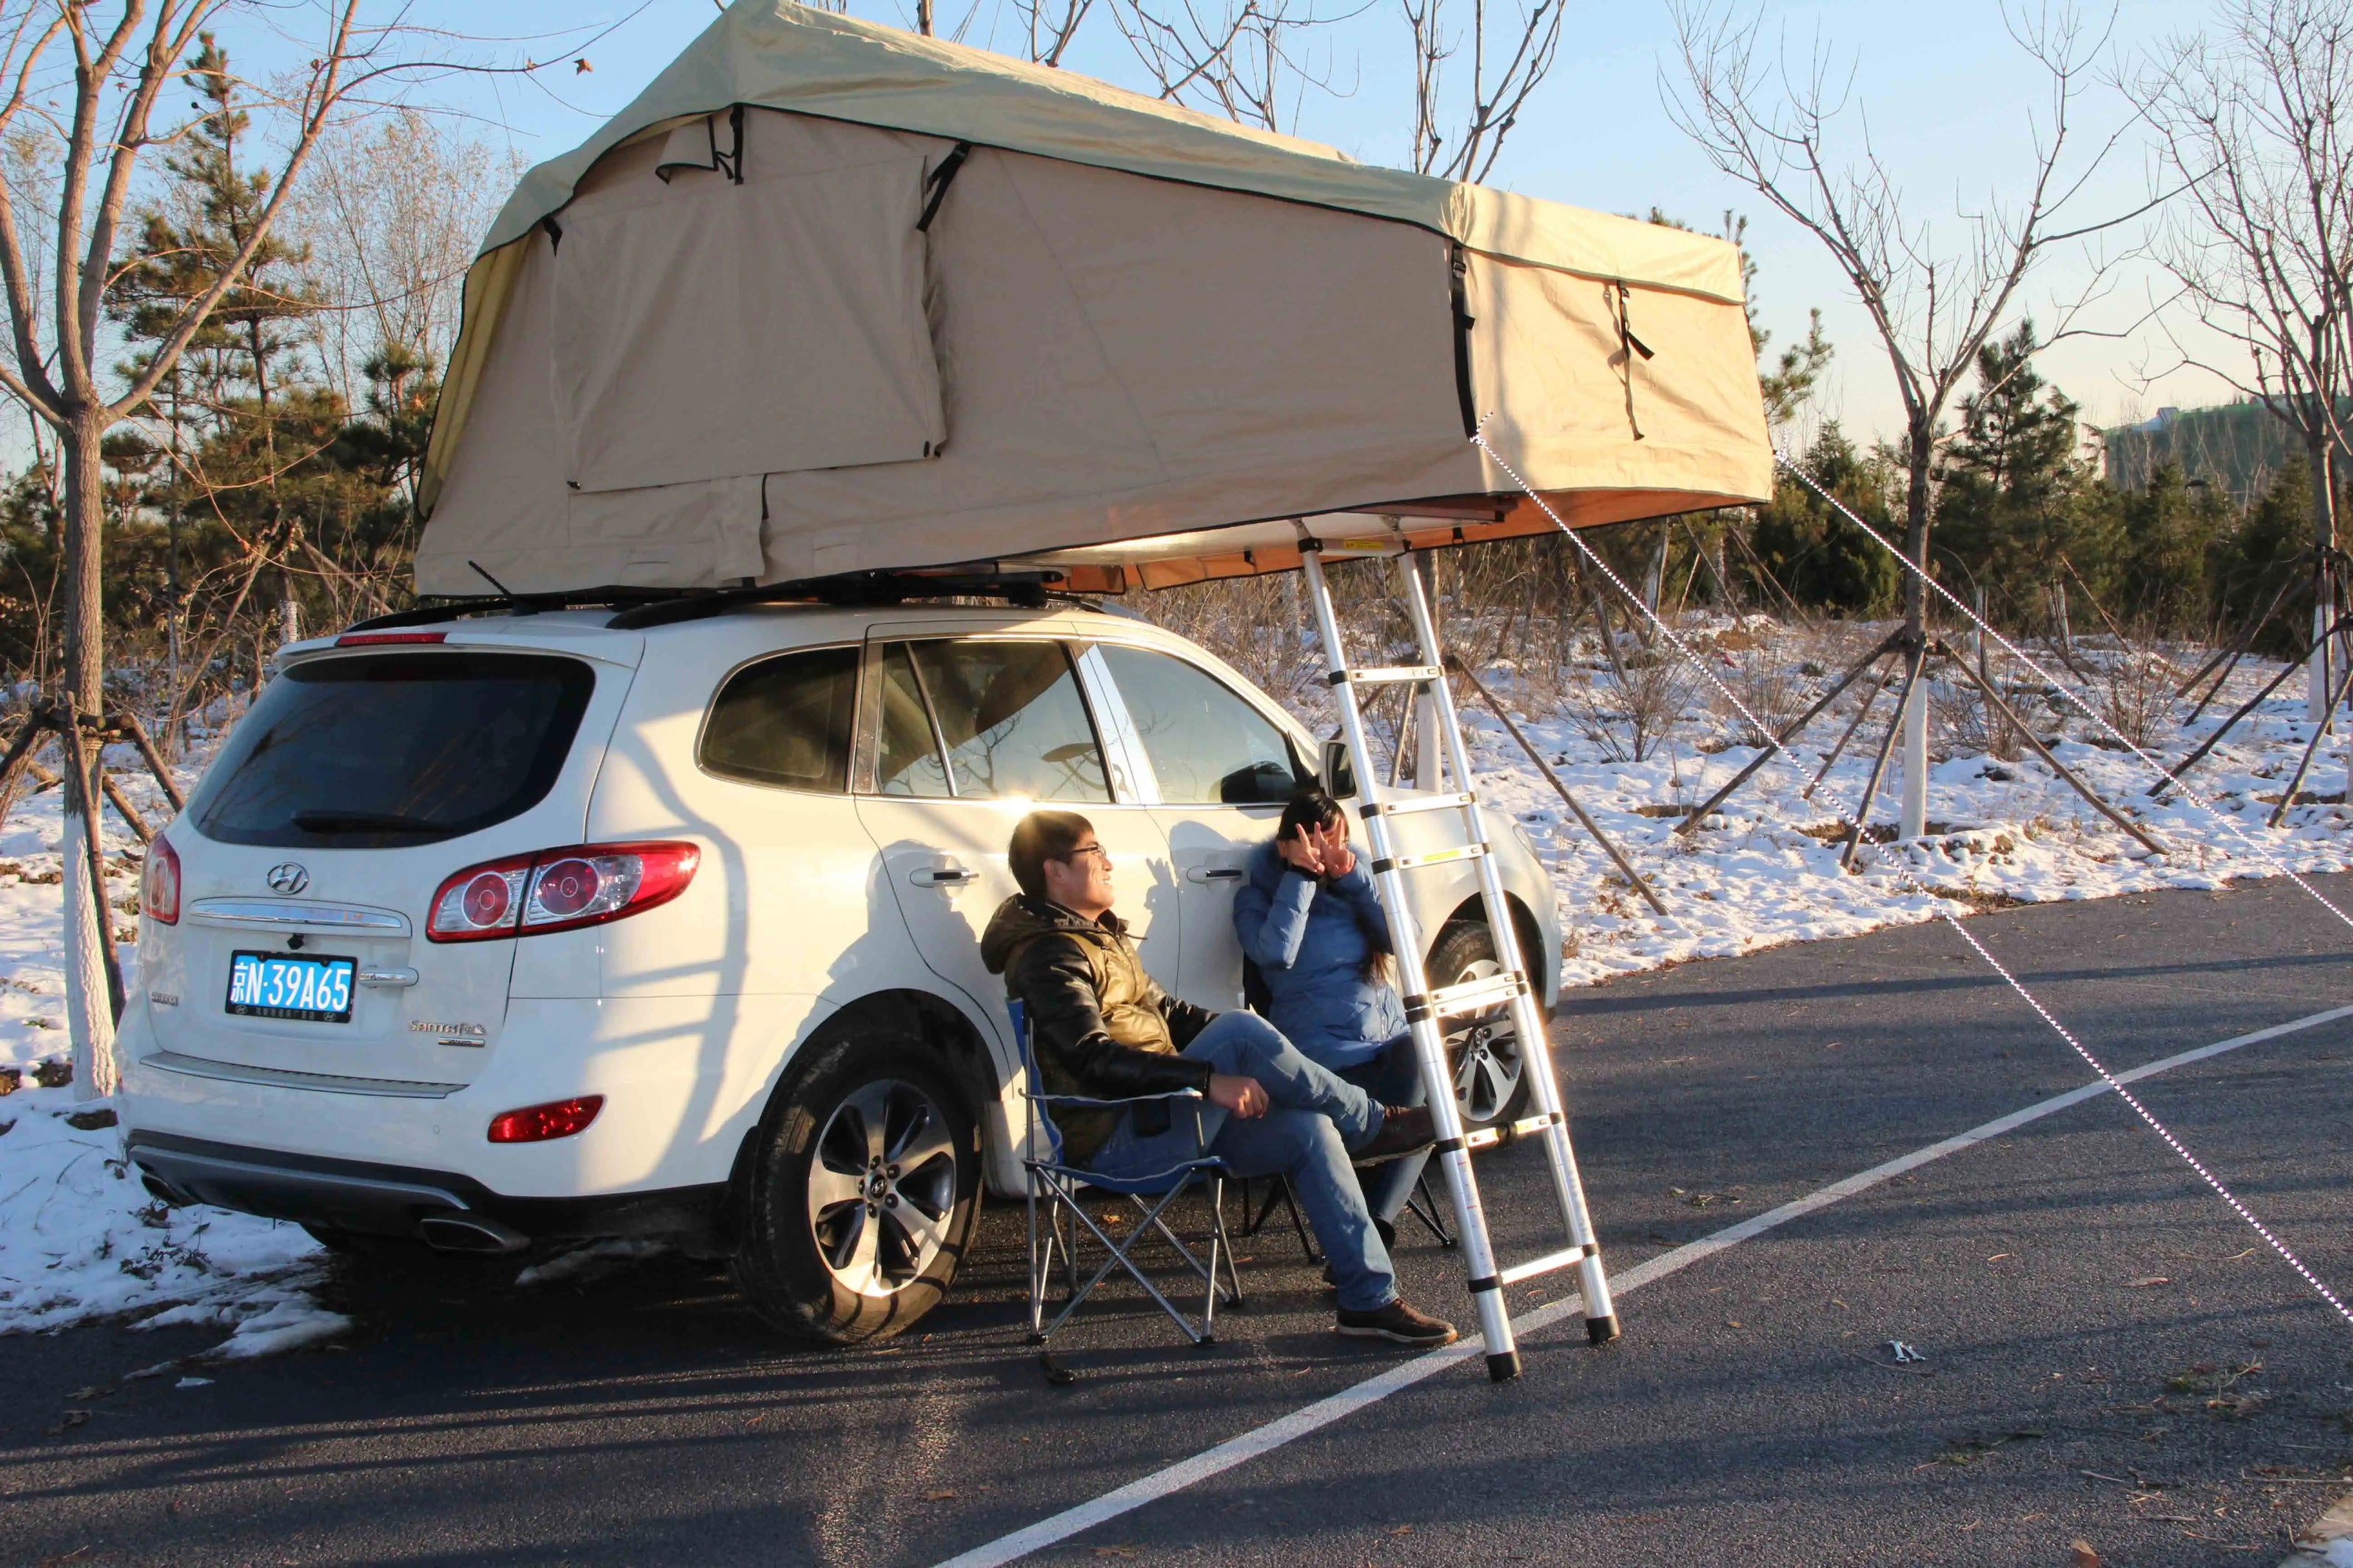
(1425,1008)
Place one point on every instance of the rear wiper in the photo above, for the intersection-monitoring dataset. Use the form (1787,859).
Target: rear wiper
(359,822)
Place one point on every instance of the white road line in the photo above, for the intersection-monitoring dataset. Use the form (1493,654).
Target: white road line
(1312,1417)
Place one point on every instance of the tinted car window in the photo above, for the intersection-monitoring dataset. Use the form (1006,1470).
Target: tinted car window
(1206,746)
(908,759)
(380,751)
(1012,718)
(787,721)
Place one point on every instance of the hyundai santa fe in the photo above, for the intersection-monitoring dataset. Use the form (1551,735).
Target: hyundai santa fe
(517,929)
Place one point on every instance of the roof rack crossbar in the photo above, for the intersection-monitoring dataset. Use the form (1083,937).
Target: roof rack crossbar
(641,608)
(1025,589)
(451,606)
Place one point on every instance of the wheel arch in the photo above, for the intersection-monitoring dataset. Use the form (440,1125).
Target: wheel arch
(1473,911)
(930,1018)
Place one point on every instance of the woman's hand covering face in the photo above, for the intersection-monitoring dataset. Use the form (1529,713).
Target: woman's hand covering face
(1303,852)
(1332,849)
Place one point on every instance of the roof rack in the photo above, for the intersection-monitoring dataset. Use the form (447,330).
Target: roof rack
(641,608)
(450,607)
(1025,590)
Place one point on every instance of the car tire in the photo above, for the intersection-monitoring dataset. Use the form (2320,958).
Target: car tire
(862,1192)
(1490,1080)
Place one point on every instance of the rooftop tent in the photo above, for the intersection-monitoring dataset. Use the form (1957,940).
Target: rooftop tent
(829,297)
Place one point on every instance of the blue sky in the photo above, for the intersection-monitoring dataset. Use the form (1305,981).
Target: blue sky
(1947,94)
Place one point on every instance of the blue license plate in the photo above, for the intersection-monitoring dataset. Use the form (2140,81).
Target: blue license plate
(272,986)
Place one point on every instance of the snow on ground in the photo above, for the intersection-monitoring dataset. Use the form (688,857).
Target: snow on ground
(81,1240)
(78,1237)
(1763,869)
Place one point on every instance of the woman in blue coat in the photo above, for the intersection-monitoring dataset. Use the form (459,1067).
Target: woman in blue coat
(1308,917)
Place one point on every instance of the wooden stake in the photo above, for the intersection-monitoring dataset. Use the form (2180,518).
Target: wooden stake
(1624,866)
(128,720)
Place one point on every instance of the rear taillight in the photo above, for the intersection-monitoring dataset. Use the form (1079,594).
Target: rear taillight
(558,890)
(159,892)
(538,1123)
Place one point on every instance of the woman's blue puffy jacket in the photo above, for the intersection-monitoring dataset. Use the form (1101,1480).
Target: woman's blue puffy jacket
(1305,938)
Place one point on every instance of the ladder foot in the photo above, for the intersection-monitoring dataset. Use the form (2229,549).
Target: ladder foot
(1601,1331)
(1504,1366)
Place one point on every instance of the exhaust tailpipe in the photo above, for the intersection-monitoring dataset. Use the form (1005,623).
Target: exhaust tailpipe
(163,1191)
(469,1232)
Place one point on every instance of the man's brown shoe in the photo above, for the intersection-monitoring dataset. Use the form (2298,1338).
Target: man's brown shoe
(1405,1129)
(1398,1322)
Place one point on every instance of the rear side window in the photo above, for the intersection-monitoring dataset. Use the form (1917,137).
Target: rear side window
(383,751)
(1206,746)
(1008,714)
(786,722)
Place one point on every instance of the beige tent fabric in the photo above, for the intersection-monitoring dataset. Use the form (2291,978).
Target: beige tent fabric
(1142,377)
(515,518)
(784,55)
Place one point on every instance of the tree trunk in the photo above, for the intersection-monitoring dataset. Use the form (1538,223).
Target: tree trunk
(2317,675)
(89,1019)
(1915,617)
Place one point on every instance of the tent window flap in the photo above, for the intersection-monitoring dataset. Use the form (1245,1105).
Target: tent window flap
(722,330)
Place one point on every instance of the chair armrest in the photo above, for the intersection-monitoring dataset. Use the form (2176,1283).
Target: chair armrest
(1090,1102)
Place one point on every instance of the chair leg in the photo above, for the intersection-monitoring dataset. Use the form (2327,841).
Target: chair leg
(1038,1267)
(1253,1223)
(1120,1258)
(1424,1206)
(1216,1241)
(1233,1275)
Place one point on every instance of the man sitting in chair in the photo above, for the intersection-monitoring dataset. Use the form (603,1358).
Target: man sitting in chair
(1102,1028)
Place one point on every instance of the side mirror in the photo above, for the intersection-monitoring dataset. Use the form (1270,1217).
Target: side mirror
(1339,770)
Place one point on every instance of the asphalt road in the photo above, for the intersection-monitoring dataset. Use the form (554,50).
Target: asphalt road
(2112,1355)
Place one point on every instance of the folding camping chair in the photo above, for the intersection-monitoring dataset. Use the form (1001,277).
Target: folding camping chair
(1057,1184)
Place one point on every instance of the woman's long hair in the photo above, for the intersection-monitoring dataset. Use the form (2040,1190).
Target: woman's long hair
(1312,810)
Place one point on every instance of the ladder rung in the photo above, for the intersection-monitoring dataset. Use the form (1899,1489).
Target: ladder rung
(1421,803)
(1435,858)
(1495,1137)
(1565,1257)
(1470,997)
(1389,675)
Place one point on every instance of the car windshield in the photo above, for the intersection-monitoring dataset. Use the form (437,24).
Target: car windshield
(383,751)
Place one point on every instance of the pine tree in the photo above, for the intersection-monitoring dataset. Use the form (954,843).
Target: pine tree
(2015,497)
(1823,561)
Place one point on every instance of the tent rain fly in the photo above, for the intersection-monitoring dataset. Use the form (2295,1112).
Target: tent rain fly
(831,298)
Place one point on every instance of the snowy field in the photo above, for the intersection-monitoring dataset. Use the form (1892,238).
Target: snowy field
(1764,868)
(81,1240)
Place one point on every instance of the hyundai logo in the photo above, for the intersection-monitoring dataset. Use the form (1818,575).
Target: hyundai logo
(289,878)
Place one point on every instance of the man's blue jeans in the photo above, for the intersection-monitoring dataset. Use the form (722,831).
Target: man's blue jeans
(1315,1116)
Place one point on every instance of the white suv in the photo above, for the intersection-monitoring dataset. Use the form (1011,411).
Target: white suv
(520,928)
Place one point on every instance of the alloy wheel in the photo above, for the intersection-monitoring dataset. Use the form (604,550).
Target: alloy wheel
(881,1187)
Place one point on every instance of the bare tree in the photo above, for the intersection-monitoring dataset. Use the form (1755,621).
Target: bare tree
(85,79)
(1774,127)
(2257,123)
(1249,63)
(1051,24)
(390,212)
(1459,135)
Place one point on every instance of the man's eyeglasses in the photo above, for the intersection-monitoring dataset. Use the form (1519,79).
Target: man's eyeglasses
(1086,849)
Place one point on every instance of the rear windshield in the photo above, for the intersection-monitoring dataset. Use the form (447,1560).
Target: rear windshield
(381,750)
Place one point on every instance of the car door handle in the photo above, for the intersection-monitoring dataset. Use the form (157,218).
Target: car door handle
(942,877)
(1213,874)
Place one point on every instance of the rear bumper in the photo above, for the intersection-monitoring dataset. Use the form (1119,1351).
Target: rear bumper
(450,1211)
